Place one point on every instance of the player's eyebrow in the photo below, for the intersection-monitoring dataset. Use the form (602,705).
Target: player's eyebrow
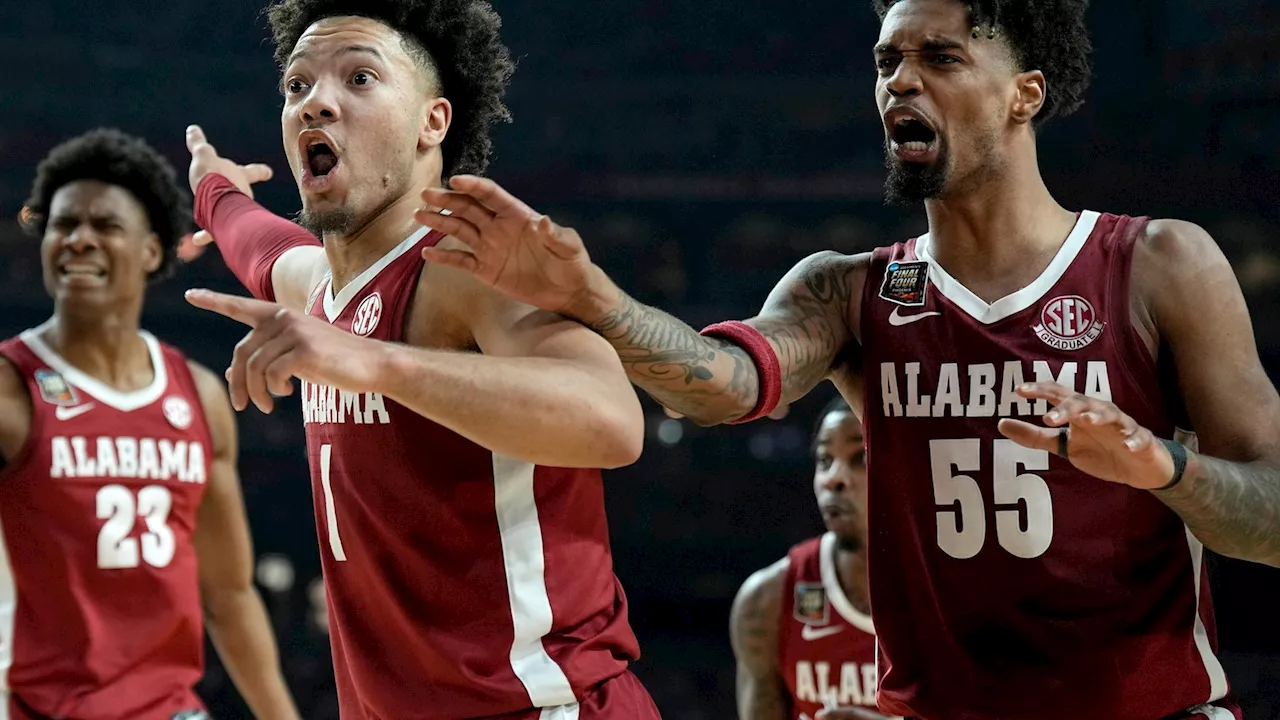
(933,43)
(347,50)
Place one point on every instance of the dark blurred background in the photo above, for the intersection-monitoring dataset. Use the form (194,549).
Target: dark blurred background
(701,148)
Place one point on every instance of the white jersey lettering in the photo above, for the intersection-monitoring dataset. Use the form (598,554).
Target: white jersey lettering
(324,405)
(990,390)
(127,457)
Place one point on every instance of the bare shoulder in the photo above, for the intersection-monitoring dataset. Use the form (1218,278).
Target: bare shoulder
(760,596)
(215,402)
(1173,257)
(15,410)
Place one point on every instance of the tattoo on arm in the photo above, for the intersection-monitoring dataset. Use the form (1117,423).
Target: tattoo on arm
(713,380)
(1232,507)
(754,635)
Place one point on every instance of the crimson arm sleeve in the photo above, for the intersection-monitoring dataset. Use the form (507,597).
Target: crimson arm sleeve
(250,237)
(766,361)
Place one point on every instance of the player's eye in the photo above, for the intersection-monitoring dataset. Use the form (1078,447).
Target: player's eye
(294,86)
(362,78)
(886,63)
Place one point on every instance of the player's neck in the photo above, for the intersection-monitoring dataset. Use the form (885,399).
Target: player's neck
(851,570)
(106,347)
(350,255)
(998,237)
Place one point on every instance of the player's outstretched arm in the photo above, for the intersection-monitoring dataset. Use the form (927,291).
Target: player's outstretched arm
(234,614)
(1228,489)
(728,373)
(546,390)
(753,632)
(15,412)
(275,259)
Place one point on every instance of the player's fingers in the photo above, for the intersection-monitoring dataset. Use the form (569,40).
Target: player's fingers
(257,172)
(1069,410)
(202,237)
(460,259)
(250,311)
(270,358)
(197,142)
(1141,440)
(453,225)
(1051,391)
(1028,435)
(1108,417)
(491,194)
(458,204)
(237,387)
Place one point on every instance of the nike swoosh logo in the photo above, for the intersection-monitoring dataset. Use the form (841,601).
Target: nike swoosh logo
(897,319)
(808,632)
(66,413)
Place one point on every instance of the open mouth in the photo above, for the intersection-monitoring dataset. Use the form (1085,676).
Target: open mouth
(912,135)
(82,272)
(321,159)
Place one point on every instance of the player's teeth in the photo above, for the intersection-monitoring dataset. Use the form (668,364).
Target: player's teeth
(915,146)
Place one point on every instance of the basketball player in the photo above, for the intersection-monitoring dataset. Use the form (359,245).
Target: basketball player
(1017,570)
(454,435)
(119,499)
(801,628)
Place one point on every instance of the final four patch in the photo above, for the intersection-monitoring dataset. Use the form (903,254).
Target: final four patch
(811,604)
(905,283)
(55,389)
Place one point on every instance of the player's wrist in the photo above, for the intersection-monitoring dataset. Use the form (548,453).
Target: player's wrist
(600,299)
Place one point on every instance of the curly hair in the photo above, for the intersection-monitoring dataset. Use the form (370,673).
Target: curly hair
(1045,35)
(115,158)
(457,39)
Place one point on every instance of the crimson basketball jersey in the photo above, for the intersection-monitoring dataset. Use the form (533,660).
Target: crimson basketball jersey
(826,648)
(1006,583)
(461,583)
(100,612)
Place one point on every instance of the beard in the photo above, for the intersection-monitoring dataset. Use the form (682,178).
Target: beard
(334,221)
(912,183)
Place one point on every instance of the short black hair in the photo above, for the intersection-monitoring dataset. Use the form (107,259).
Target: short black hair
(836,404)
(1045,35)
(115,158)
(458,39)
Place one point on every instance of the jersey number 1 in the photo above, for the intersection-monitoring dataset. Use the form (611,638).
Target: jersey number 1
(1018,495)
(117,506)
(335,540)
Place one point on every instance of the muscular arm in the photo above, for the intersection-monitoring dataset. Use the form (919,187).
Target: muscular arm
(753,632)
(545,389)
(234,615)
(808,319)
(1230,494)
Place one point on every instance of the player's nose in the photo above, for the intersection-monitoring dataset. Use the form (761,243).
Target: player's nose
(836,480)
(905,80)
(321,104)
(82,237)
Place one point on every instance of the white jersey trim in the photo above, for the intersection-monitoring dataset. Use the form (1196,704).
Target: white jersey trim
(8,610)
(1217,676)
(525,566)
(1016,302)
(831,583)
(335,304)
(100,391)
(560,712)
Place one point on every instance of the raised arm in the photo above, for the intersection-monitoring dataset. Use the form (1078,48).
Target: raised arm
(275,259)
(1230,492)
(753,633)
(721,375)
(234,615)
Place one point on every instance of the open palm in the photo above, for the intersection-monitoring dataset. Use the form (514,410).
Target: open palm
(509,246)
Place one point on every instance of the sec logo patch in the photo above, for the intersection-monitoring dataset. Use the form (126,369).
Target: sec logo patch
(178,412)
(1068,322)
(367,315)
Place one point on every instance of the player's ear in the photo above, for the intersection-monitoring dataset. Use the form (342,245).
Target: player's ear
(152,253)
(437,115)
(1029,96)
